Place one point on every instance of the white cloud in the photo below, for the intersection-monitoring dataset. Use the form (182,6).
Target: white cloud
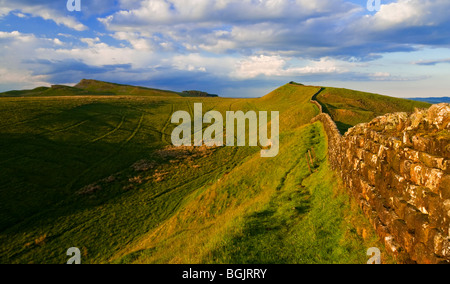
(137,41)
(431,62)
(20,79)
(90,41)
(15,35)
(260,65)
(173,12)
(410,13)
(220,26)
(4,11)
(218,66)
(20,15)
(276,66)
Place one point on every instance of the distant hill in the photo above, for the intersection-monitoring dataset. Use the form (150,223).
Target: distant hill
(55,90)
(199,94)
(119,89)
(432,100)
(90,88)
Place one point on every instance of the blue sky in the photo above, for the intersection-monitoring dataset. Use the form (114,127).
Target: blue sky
(236,48)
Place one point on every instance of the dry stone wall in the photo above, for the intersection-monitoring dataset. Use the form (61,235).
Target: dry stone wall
(398,169)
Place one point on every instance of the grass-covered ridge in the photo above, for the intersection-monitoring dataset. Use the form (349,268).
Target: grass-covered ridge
(349,108)
(120,89)
(87,87)
(97,172)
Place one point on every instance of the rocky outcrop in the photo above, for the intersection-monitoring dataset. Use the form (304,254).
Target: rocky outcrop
(398,169)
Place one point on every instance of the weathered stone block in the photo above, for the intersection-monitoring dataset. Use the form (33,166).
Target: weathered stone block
(417,173)
(392,245)
(446,206)
(446,248)
(360,141)
(411,155)
(399,206)
(371,159)
(433,179)
(430,178)
(398,182)
(444,189)
(371,176)
(446,166)
(408,241)
(422,229)
(412,216)
(360,153)
(398,229)
(405,169)
(422,254)
(432,161)
(395,143)
(422,144)
(439,116)
(394,161)
(375,149)
(409,193)
(436,212)
(407,141)
(418,118)
(436,241)
(387,215)
(382,139)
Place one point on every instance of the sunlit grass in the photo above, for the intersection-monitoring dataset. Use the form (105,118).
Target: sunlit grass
(94,172)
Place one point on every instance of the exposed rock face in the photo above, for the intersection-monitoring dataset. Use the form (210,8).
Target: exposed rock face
(398,168)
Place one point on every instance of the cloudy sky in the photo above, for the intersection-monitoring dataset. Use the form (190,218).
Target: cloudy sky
(230,47)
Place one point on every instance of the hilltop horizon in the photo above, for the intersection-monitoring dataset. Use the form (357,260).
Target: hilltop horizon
(83,82)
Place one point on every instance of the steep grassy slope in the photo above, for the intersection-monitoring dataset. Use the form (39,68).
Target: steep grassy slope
(278,212)
(98,173)
(349,108)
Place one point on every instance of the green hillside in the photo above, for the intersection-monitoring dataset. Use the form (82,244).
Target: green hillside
(349,108)
(119,89)
(55,90)
(98,172)
(90,88)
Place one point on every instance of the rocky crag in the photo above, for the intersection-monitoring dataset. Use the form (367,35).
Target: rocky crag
(397,167)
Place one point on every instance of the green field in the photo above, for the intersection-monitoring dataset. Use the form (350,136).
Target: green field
(92,167)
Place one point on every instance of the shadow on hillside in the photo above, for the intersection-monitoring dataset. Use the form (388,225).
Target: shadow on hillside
(40,177)
(343,127)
